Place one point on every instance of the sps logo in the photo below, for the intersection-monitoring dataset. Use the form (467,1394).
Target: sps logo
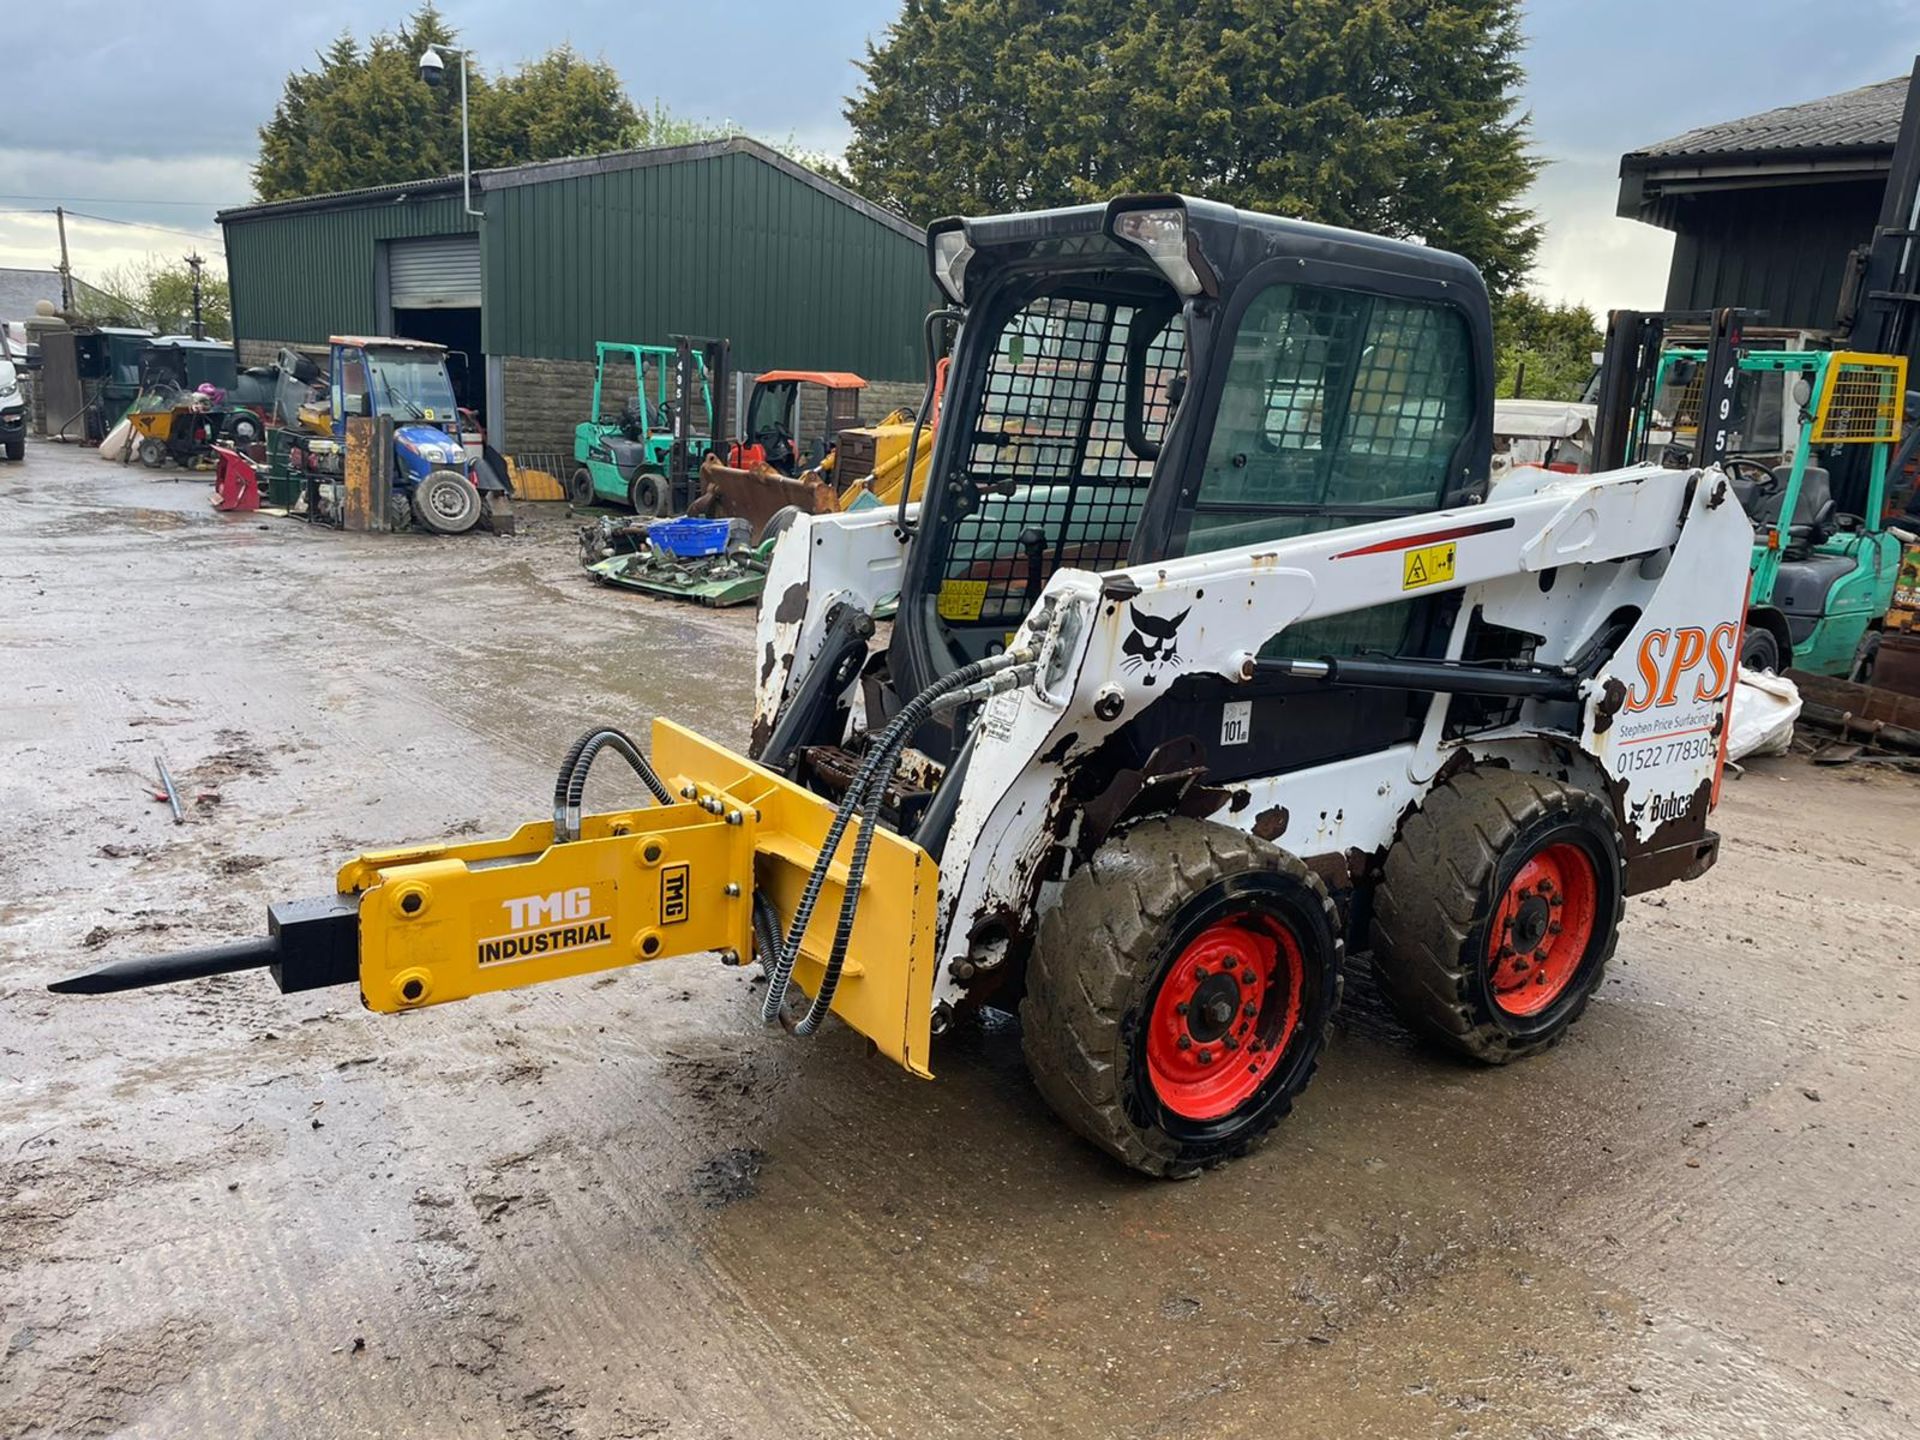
(1685,665)
(1153,642)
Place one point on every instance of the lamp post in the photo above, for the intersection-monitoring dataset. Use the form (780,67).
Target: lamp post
(432,67)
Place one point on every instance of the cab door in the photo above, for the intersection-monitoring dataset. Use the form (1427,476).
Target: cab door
(352,386)
(1337,407)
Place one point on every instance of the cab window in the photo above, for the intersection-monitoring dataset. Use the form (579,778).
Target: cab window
(353,383)
(1339,407)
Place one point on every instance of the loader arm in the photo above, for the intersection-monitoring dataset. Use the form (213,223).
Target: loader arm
(430,924)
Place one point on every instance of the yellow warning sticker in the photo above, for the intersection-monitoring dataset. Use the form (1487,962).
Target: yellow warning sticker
(1429,565)
(962,599)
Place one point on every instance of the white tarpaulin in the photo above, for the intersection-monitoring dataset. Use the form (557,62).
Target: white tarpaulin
(1765,706)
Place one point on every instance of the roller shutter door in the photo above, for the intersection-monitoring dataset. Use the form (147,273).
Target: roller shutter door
(441,273)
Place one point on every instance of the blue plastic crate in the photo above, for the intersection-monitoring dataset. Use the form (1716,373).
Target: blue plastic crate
(689,536)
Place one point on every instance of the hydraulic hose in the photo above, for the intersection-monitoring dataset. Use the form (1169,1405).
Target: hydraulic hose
(864,797)
(883,771)
(571,784)
(766,930)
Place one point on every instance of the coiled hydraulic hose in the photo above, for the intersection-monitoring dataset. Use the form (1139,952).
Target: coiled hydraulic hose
(571,784)
(864,797)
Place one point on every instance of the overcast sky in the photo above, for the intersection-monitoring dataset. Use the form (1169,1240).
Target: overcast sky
(166,129)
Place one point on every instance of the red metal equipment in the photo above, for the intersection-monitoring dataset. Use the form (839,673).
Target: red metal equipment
(236,480)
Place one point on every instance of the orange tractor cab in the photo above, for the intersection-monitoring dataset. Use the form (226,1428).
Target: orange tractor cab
(794,418)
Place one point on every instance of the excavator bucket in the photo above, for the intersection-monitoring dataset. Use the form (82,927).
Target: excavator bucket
(756,495)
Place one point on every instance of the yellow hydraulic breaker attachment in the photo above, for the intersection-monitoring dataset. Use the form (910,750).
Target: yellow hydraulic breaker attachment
(429,924)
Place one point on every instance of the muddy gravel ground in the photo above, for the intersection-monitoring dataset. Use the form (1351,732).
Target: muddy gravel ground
(618,1207)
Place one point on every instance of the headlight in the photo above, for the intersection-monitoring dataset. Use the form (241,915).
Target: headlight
(951,252)
(10,392)
(1162,235)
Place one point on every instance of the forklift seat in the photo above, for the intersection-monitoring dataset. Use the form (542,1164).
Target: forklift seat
(1812,514)
(628,456)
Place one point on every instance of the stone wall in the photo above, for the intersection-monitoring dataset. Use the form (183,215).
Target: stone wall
(545,399)
(267,352)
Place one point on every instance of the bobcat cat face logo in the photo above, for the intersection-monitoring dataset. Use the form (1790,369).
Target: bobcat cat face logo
(1153,643)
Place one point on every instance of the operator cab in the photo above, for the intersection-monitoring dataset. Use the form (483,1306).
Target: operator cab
(794,418)
(1160,377)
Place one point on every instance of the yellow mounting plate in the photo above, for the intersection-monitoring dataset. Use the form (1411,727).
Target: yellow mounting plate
(444,922)
(886,987)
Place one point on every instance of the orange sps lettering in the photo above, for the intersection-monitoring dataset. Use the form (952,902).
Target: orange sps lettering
(1685,665)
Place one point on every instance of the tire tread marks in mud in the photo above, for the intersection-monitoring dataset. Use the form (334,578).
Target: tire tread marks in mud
(1098,956)
(1438,894)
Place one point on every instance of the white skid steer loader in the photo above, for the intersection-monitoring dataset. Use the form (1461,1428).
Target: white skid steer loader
(1215,656)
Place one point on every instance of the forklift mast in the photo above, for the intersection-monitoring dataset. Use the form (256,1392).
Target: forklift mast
(1629,377)
(707,388)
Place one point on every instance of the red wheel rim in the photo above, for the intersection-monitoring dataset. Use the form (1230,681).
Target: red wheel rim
(1225,1012)
(1542,929)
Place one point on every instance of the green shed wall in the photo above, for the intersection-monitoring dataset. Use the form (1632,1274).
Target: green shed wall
(720,245)
(727,245)
(306,276)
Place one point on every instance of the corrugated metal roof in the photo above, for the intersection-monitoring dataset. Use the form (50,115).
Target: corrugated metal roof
(1864,119)
(611,162)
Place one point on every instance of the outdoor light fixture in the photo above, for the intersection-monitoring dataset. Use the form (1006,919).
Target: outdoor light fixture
(432,69)
(1162,235)
(951,252)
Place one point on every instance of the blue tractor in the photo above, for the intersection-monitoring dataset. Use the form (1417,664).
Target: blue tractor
(438,477)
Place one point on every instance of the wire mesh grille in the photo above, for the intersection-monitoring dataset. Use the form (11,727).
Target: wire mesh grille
(1058,481)
(1864,399)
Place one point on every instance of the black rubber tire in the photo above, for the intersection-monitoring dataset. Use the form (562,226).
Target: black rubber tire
(1101,955)
(650,495)
(244,430)
(152,452)
(446,503)
(17,448)
(779,523)
(399,513)
(1455,857)
(580,491)
(1760,649)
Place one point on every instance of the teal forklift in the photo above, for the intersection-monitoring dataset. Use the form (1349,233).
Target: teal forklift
(1805,437)
(654,421)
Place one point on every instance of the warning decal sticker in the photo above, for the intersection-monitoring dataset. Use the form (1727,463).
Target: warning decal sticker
(1429,565)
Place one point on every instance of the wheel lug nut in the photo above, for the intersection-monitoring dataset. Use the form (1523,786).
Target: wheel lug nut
(1206,1057)
(1199,972)
(1231,1043)
(1247,977)
(1185,1042)
(1554,928)
(1249,1009)
(1181,1008)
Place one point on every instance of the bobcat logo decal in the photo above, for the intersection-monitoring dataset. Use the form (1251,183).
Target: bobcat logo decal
(1153,644)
